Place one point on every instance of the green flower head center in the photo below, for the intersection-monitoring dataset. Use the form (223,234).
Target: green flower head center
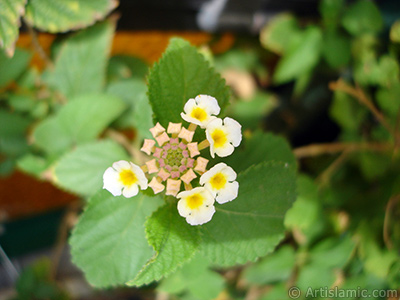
(174,157)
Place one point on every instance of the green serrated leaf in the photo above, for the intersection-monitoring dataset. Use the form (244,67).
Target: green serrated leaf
(81,171)
(181,74)
(10,14)
(109,243)
(301,56)
(251,225)
(81,120)
(11,68)
(174,241)
(362,17)
(80,65)
(63,15)
(176,43)
(280,33)
(261,147)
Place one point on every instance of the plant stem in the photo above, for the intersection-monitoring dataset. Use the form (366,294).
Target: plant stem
(331,148)
(192,127)
(204,144)
(124,141)
(359,94)
(327,174)
(389,208)
(38,48)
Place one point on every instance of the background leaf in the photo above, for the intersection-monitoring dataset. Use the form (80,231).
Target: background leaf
(10,14)
(63,15)
(261,147)
(395,32)
(174,241)
(307,209)
(124,67)
(109,243)
(251,225)
(80,65)
(330,11)
(81,171)
(80,120)
(13,128)
(194,278)
(276,266)
(347,112)
(139,113)
(12,68)
(362,17)
(301,56)
(336,50)
(280,33)
(181,74)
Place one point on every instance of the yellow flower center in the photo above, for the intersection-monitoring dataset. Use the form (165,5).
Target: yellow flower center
(218,181)
(199,114)
(194,201)
(219,138)
(127,177)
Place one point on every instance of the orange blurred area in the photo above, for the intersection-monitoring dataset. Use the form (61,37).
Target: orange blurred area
(147,45)
(22,195)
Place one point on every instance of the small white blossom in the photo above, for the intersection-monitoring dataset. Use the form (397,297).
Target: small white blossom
(200,110)
(196,205)
(220,181)
(124,178)
(223,136)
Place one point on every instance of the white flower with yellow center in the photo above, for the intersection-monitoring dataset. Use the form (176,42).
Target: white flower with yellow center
(124,178)
(196,205)
(200,110)
(223,136)
(220,181)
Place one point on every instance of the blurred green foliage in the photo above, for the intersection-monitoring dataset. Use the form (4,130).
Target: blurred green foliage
(67,124)
(36,283)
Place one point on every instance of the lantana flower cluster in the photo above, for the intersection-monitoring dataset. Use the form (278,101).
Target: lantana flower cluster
(176,162)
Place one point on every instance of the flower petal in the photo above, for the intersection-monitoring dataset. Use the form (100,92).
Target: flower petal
(234,130)
(209,103)
(204,216)
(121,165)
(229,193)
(111,182)
(130,191)
(142,180)
(224,151)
